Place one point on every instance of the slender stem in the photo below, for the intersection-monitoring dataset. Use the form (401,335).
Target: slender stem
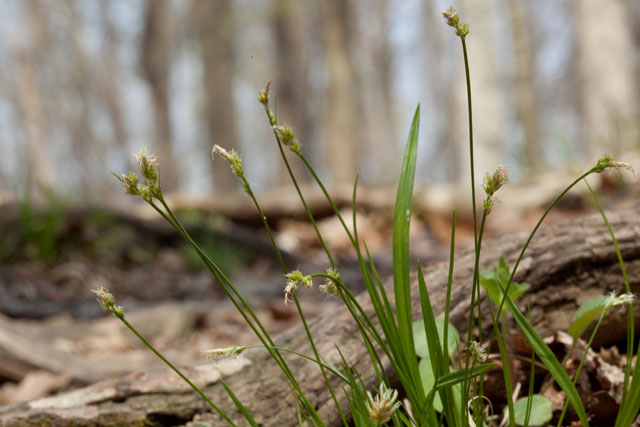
(470,110)
(473,198)
(328,197)
(317,355)
(535,229)
(263,218)
(328,367)
(447,304)
(627,287)
(229,289)
(295,297)
(475,300)
(582,359)
(177,371)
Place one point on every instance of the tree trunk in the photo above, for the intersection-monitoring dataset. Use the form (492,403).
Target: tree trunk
(291,87)
(566,264)
(156,66)
(341,138)
(526,100)
(214,29)
(608,88)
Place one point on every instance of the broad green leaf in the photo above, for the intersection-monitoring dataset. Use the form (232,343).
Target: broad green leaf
(420,337)
(541,410)
(428,382)
(401,279)
(489,281)
(401,220)
(586,314)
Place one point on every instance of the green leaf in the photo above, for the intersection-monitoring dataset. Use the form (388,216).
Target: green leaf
(455,377)
(541,410)
(586,314)
(400,248)
(429,381)
(489,281)
(420,337)
(439,365)
(452,379)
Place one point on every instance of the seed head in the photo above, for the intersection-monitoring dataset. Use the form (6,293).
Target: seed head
(232,157)
(478,354)
(286,136)
(218,354)
(618,300)
(148,166)
(605,163)
(383,406)
(493,183)
(263,96)
(108,302)
(330,286)
(295,279)
(130,183)
(453,20)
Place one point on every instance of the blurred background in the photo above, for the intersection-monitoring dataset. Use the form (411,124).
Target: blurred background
(86,83)
(83,84)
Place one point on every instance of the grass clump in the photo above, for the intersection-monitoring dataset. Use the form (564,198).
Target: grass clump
(442,382)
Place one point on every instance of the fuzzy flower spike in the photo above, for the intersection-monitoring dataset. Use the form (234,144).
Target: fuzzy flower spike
(453,20)
(219,354)
(605,163)
(286,136)
(108,302)
(295,279)
(148,166)
(622,300)
(234,159)
(330,286)
(383,406)
(493,183)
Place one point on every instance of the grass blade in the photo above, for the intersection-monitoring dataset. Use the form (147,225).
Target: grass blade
(401,279)
(435,349)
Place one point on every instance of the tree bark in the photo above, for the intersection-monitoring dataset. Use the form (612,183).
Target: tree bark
(566,264)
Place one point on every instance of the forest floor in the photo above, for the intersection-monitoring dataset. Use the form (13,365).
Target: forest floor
(51,259)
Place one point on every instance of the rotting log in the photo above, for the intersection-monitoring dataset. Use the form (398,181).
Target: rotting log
(566,264)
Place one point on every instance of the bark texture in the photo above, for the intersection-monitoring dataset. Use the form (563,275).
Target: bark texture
(566,264)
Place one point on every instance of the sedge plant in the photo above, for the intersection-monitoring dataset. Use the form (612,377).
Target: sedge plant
(451,396)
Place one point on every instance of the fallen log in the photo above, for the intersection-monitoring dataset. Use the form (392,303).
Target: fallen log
(566,264)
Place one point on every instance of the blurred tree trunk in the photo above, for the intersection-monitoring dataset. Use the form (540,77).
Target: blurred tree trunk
(291,88)
(156,67)
(340,139)
(525,93)
(40,176)
(109,79)
(372,53)
(443,71)
(214,31)
(39,171)
(607,88)
(86,147)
